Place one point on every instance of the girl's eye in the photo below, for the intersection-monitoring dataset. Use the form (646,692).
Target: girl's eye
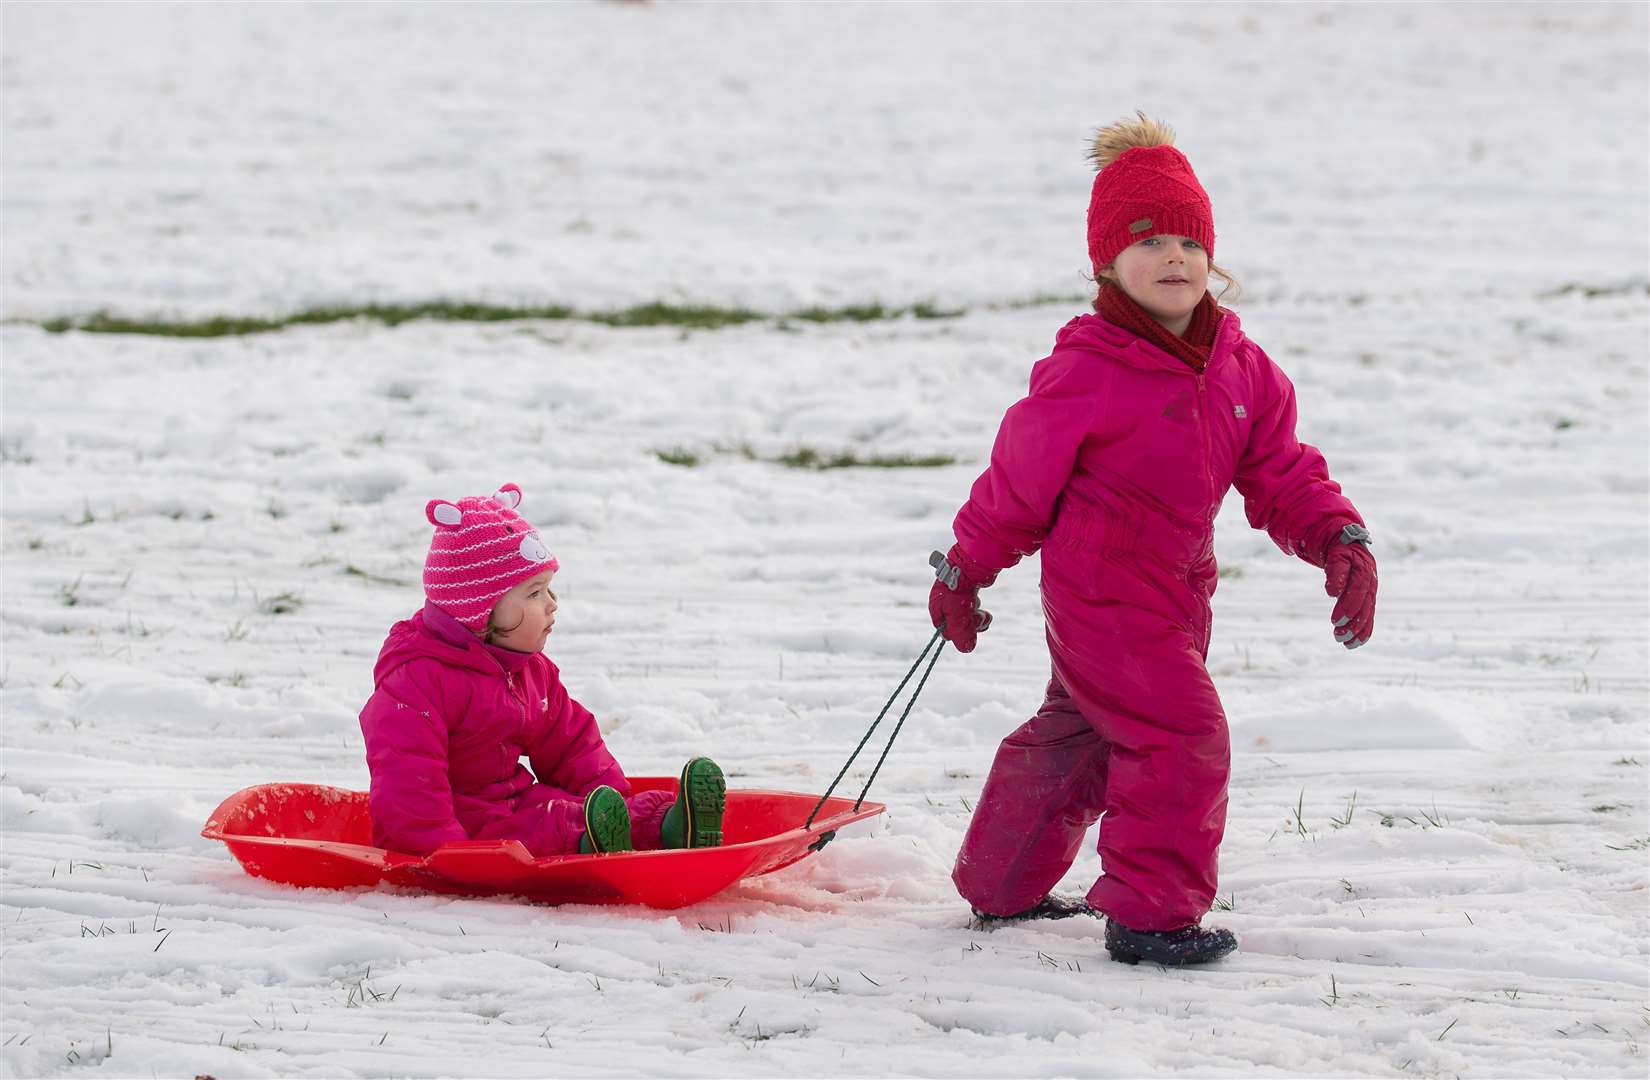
(1194,245)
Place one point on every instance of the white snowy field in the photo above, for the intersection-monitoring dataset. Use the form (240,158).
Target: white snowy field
(1438,858)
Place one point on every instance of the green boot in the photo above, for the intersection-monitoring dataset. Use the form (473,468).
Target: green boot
(606,822)
(695,818)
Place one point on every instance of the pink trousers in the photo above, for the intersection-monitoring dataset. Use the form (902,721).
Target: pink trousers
(1149,757)
(550,821)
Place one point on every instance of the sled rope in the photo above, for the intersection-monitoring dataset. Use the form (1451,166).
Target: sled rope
(937,638)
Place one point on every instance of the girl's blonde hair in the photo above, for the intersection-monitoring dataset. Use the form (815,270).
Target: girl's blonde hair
(1142,130)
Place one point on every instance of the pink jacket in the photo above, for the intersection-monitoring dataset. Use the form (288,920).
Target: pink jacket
(446,727)
(1078,459)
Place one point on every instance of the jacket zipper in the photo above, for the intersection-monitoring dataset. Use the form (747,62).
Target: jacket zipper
(1203,424)
(510,685)
(1209,481)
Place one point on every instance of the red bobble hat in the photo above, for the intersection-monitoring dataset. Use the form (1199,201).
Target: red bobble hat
(481,550)
(1147,191)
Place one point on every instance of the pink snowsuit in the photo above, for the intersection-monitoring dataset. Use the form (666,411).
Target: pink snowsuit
(446,728)
(1115,465)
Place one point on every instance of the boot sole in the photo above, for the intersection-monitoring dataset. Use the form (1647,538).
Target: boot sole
(607,821)
(704,798)
(1049,907)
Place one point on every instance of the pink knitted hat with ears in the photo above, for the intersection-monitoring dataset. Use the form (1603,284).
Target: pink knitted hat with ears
(481,550)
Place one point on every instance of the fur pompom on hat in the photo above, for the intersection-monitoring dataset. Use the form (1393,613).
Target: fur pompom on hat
(1145,188)
(481,550)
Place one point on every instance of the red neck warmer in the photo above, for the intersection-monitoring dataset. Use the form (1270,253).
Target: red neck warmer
(1192,347)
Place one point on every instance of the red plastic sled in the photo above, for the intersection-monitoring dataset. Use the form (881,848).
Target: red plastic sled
(310,835)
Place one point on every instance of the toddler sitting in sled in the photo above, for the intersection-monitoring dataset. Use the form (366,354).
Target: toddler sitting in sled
(463,691)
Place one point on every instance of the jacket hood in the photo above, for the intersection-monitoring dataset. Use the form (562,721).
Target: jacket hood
(428,635)
(1095,334)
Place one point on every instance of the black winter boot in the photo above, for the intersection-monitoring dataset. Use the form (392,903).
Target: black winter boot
(1175,948)
(1051,906)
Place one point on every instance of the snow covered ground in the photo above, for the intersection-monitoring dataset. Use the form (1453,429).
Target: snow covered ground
(1437,854)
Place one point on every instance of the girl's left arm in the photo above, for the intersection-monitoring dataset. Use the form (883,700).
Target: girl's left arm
(1285,483)
(567,751)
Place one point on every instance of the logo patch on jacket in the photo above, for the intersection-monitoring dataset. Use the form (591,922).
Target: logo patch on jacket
(1239,411)
(1180,410)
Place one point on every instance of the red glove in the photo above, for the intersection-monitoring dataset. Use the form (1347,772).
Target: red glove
(954,601)
(1349,575)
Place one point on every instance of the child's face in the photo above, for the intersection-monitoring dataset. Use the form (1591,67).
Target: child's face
(1166,275)
(523,617)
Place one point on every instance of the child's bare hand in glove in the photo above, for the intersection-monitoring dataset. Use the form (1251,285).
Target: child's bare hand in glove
(1349,576)
(954,601)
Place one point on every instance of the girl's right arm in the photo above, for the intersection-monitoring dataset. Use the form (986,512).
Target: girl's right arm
(406,737)
(1011,506)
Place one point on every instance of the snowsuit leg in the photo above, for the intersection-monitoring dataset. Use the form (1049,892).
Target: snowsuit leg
(547,820)
(647,814)
(1046,787)
(1136,669)
(550,821)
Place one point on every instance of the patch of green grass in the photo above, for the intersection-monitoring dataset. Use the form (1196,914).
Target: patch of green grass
(1043,300)
(351,570)
(926,310)
(281,604)
(1592,292)
(677,455)
(1346,818)
(804,457)
(696,317)
(807,457)
(232,326)
(851,313)
(905,461)
(875,312)
(685,316)
(744,450)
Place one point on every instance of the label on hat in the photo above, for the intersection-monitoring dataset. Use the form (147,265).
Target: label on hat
(1140,226)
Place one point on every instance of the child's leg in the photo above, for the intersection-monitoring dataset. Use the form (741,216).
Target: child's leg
(1150,696)
(1046,787)
(548,822)
(647,812)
